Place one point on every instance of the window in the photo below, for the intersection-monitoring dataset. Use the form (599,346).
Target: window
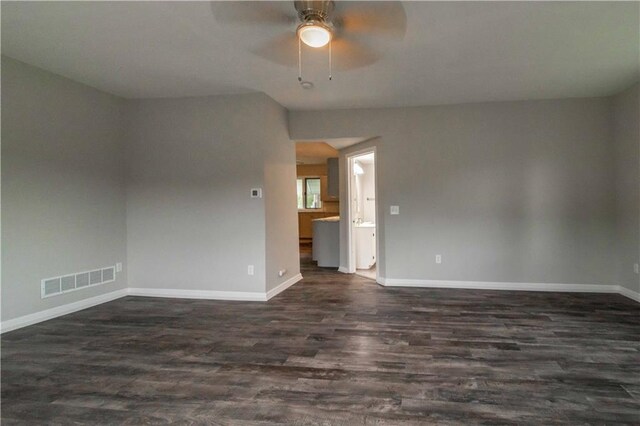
(300,183)
(309,196)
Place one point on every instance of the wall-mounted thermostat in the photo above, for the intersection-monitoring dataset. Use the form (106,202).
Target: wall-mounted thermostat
(256,192)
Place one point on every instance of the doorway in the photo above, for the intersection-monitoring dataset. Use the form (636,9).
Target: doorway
(317,188)
(362,209)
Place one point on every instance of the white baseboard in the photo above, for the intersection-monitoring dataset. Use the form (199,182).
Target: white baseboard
(489,285)
(215,295)
(198,294)
(69,308)
(344,270)
(285,285)
(633,295)
(47,314)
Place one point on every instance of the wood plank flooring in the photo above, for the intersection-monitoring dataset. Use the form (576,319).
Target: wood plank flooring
(333,349)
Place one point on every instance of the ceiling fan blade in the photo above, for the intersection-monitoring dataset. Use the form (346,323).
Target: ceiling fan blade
(346,54)
(385,18)
(253,12)
(349,55)
(281,50)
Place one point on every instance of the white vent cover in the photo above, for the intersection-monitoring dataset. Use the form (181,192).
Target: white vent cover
(82,279)
(64,284)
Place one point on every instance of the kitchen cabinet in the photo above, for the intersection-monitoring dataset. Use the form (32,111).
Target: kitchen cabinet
(326,242)
(333,179)
(305,229)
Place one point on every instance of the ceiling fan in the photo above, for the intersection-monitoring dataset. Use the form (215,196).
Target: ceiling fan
(350,31)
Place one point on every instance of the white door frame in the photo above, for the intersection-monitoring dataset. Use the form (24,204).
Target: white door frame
(351,258)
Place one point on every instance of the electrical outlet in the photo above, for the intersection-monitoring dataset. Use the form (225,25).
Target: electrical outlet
(636,268)
(118,267)
(250,270)
(395,210)
(438,258)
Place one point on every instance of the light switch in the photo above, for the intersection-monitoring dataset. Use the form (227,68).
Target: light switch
(395,209)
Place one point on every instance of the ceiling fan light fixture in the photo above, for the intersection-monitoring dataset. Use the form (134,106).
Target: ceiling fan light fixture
(314,33)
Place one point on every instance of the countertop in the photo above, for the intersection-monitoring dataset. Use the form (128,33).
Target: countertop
(328,219)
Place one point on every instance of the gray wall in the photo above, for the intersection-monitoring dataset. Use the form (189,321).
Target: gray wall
(281,212)
(506,192)
(63,192)
(192,163)
(89,179)
(627,143)
(518,191)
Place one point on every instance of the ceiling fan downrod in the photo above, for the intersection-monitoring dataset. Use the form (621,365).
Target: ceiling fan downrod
(330,77)
(310,10)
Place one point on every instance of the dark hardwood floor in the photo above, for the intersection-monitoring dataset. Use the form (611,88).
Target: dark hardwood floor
(333,349)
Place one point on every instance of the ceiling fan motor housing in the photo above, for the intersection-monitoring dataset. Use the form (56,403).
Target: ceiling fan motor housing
(315,29)
(310,11)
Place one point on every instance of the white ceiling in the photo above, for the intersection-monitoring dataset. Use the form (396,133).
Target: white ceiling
(452,52)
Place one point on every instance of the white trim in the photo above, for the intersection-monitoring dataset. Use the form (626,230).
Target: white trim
(47,314)
(633,295)
(23,321)
(351,261)
(198,294)
(491,285)
(69,308)
(344,270)
(285,285)
(350,158)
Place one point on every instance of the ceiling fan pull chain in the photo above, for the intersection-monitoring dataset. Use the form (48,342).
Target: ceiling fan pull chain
(330,77)
(299,61)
